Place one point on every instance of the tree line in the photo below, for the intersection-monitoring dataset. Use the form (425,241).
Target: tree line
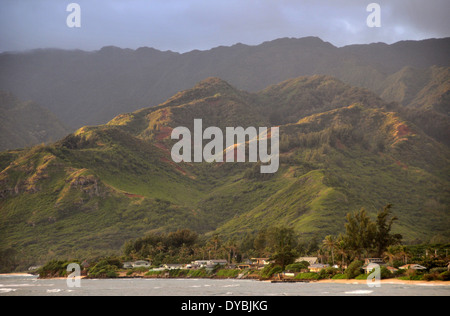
(363,238)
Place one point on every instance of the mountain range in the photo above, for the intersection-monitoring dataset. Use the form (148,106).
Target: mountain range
(90,88)
(343,147)
(25,123)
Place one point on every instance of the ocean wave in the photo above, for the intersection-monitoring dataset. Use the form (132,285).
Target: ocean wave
(54,291)
(7,290)
(359,292)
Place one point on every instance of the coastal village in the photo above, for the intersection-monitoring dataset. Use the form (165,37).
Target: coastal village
(251,268)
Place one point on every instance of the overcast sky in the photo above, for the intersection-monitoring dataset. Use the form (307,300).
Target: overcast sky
(184,25)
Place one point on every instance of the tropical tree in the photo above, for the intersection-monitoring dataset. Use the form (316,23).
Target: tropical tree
(283,243)
(341,249)
(360,233)
(383,237)
(330,243)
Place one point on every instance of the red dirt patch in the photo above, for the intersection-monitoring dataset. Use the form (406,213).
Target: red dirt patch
(401,164)
(177,167)
(130,195)
(339,144)
(403,130)
(162,147)
(164,133)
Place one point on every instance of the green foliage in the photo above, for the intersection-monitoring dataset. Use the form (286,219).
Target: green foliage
(383,237)
(284,242)
(270,270)
(55,269)
(155,273)
(307,276)
(360,232)
(354,269)
(172,245)
(339,277)
(105,268)
(227,273)
(445,276)
(178,273)
(200,273)
(107,184)
(297,267)
(328,273)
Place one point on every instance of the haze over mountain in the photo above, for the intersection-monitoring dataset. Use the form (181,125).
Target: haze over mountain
(342,148)
(25,124)
(85,88)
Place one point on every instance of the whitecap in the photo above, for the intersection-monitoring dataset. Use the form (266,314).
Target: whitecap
(54,291)
(6,290)
(359,292)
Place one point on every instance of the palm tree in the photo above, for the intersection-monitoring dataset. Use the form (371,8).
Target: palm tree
(404,254)
(341,249)
(390,254)
(330,243)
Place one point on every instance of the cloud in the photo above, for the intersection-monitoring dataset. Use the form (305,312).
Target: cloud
(183,25)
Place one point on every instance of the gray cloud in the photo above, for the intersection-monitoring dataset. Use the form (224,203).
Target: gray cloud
(183,25)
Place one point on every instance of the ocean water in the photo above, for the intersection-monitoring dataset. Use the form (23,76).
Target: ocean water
(32,286)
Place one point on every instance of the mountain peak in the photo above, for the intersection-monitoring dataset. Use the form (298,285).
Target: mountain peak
(204,89)
(213,82)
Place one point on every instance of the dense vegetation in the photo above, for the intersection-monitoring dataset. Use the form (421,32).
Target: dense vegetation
(343,148)
(363,238)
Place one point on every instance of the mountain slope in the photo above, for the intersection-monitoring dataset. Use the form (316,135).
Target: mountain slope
(349,158)
(424,95)
(25,124)
(90,88)
(342,149)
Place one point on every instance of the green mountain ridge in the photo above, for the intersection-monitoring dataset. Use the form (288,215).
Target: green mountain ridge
(342,148)
(91,88)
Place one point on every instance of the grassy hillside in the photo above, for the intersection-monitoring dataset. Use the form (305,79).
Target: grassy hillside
(342,149)
(424,98)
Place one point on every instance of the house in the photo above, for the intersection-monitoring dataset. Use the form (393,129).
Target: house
(34,268)
(368,268)
(413,266)
(318,267)
(171,266)
(310,260)
(244,266)
(378,261)
(392,269)
(199,263)
(128,265)
(217,262)
(260,262)
(141,264)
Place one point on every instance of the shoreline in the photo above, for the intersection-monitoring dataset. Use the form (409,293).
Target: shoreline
(388,281)
(326,281)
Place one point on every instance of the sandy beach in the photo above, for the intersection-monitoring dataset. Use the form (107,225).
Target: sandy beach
(388,281)
(327,281)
